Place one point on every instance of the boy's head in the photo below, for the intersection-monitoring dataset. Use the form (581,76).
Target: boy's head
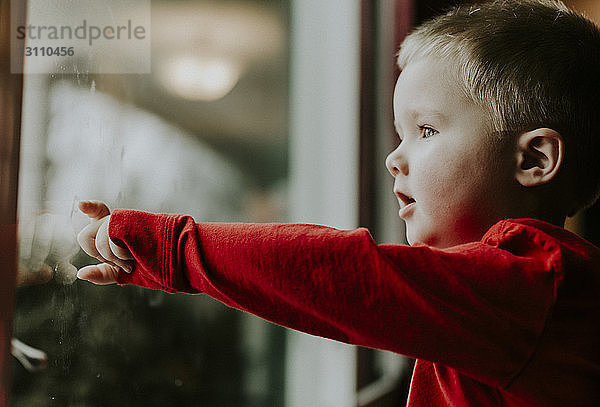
(525,77)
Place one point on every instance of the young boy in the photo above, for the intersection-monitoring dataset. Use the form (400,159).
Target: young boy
(497,114)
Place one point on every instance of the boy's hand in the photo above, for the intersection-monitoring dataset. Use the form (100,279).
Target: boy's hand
(94,240)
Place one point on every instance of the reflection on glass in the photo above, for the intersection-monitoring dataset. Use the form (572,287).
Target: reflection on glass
(203,134)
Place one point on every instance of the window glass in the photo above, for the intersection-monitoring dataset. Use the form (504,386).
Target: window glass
(203,133)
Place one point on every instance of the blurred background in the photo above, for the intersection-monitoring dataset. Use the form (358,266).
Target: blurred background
(254,111)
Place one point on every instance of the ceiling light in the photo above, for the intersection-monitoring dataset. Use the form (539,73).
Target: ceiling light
(197,78)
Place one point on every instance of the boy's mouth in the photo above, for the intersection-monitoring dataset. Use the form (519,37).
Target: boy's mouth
(404,200)
(406,204)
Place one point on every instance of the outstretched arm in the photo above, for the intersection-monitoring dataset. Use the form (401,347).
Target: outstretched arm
(439,305)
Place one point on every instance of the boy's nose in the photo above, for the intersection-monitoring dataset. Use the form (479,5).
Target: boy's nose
(396,163)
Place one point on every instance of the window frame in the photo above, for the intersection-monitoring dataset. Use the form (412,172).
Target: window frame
(11,93)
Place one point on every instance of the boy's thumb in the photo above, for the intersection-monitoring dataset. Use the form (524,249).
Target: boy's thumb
(93,209)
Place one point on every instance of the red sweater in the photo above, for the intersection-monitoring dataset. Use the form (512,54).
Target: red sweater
(512,320)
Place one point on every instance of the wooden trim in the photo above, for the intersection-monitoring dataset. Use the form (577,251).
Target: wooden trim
(11,90)
(368,116)
(370,84)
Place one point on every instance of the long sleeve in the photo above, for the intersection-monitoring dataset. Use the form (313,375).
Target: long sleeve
(449,306)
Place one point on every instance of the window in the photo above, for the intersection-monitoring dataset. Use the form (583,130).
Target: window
(203,133)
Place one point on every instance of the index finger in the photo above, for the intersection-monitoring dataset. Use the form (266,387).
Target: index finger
(100,274)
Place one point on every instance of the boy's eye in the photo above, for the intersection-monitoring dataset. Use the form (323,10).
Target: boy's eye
(427,131)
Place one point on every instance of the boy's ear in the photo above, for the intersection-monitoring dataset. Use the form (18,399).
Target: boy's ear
(539,156)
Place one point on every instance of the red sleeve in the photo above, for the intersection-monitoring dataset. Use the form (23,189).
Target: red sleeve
(476,307)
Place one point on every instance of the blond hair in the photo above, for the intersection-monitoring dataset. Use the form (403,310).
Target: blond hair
(531,64)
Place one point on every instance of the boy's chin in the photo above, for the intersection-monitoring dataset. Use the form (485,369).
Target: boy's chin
(413,238)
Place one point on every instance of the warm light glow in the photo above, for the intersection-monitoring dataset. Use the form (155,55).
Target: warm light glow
(196,78)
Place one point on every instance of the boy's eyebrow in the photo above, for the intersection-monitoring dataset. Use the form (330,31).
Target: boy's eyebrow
(426,113)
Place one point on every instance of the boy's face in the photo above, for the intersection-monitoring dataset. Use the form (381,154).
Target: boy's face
(452,179)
